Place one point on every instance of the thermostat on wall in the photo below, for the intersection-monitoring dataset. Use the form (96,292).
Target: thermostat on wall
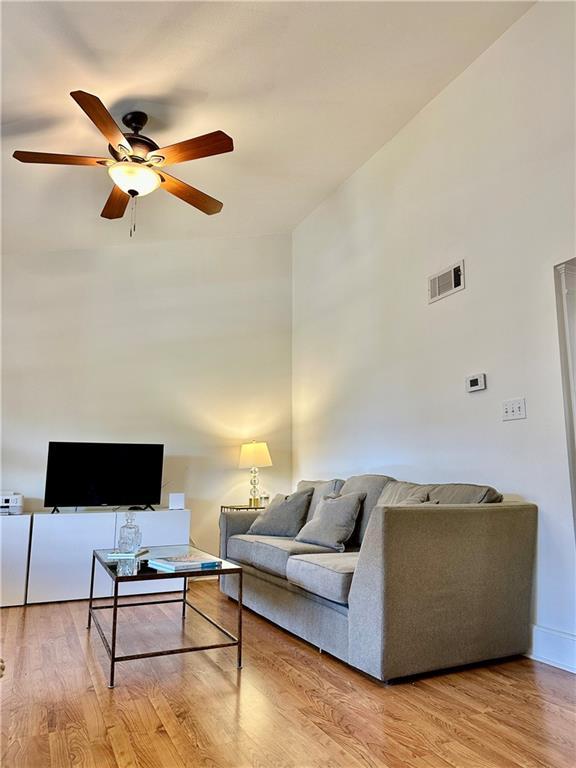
(476,382)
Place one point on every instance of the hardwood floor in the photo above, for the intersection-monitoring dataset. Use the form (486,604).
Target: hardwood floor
(290,707)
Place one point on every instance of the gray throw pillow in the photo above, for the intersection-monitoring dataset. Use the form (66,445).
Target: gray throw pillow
(333,522)
(321,488)
(284,516)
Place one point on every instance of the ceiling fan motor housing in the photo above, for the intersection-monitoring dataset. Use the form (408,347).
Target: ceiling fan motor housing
(135,121)
(141,145)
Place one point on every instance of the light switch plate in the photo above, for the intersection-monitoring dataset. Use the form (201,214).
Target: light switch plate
(514,409)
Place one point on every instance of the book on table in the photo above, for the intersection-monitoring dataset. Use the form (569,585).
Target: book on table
(188,569)
(125,555)
(189,562)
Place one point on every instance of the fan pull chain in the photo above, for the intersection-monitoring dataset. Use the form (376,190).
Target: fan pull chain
(133,216)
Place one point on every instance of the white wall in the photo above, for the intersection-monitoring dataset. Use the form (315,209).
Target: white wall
(184,343)
(485,172)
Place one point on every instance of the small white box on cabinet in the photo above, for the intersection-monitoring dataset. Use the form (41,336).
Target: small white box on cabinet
(176,501)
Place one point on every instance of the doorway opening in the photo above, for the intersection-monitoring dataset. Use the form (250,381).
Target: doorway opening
(565,278)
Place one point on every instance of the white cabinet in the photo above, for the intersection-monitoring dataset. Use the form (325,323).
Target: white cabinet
(61,556)
(62,544)
(14,538)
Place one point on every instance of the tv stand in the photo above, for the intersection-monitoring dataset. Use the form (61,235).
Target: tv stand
(47,557)
(55,511)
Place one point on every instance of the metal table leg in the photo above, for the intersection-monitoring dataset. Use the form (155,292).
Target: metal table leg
(239,661)
(91,592)
(113,643)
(184,591)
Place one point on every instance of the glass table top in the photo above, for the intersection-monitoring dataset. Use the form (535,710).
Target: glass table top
(122,567)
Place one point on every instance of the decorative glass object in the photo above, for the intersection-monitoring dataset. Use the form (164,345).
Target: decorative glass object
(130,536)
(127,566)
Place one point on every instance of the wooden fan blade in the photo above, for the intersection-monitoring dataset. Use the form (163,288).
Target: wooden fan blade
(101,118)
(189,194)
(214,143)
(48,157)
(116,204)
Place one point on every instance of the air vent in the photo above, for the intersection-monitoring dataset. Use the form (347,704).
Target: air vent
(446,282)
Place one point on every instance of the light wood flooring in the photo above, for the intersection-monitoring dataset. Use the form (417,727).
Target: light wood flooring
(290,707)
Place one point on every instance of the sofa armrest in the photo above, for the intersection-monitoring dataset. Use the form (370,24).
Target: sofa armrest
(233,522)
(441,586)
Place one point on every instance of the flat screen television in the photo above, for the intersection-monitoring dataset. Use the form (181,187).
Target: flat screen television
(99,474)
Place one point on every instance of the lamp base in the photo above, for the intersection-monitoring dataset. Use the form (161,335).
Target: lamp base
(254,500)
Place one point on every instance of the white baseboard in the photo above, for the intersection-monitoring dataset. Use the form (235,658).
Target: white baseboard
(553,647)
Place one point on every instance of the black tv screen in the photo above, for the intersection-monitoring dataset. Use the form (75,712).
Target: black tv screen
(97,474)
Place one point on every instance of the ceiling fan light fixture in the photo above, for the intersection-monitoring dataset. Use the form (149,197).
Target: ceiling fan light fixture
(134,178)
(136,158)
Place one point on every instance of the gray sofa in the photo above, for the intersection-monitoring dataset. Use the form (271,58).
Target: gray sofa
(419,588)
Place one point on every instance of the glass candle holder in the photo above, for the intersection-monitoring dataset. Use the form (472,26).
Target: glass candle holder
(127,566)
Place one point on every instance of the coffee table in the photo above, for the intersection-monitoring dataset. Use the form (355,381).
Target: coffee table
(146,573)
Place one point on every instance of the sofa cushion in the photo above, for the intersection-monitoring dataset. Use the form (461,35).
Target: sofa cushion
(272,556)
(328,575)
(463,493)
(277,581)
(321,488)
(269,553)
(239,548)
(397,491)
(419,496)
(333,522)
(284,516)
(447,493)
(372,486)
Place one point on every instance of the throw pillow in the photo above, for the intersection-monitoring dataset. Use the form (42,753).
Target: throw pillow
(284,516)
(321,488)
(333,522)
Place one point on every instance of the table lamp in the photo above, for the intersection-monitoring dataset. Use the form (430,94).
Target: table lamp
(253,456)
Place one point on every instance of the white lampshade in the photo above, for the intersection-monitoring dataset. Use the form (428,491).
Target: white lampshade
(254,455)
(134,177)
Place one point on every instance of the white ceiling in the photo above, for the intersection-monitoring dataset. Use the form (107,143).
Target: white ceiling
(309,91)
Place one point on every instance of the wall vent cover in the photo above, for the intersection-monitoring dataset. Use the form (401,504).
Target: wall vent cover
(446,282)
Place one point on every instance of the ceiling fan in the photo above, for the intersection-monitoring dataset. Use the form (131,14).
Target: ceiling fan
(137,163)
